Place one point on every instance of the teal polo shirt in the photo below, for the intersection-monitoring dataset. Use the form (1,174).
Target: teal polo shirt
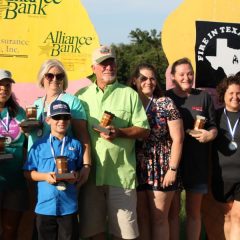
(11,173)
(77,112)
(114,161)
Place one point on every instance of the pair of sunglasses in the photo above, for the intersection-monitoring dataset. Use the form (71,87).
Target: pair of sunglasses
(144,78)
(58,76)
(64,117)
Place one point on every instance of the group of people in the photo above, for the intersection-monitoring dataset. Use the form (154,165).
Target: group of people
(128,175)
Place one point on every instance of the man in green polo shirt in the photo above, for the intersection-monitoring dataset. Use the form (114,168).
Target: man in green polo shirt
(110,192)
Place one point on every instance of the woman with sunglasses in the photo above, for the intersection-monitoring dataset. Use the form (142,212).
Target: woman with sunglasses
(13,188)
(158,156)
(52,77)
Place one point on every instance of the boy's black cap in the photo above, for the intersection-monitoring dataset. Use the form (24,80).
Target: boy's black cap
(58,107)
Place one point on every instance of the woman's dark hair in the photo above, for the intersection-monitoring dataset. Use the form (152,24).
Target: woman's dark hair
(224,84)
(180,62)
(238,73)
(12,106)
(136,74)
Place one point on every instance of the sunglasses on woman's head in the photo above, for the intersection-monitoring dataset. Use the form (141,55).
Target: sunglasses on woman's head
(58,76)
(61,117)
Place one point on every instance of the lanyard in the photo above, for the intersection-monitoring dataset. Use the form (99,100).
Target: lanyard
(231,130)
(52,149)
(149,104)
(42,117)
(6,125)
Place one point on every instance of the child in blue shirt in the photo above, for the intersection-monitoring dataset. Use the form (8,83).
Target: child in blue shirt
(56,206)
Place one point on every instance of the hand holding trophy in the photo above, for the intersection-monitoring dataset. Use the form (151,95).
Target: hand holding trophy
(3,155)
(63,175)
(31,121)
(198,124)
(105,121)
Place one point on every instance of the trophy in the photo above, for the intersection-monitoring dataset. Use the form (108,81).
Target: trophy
(31,121)
(3,154)
(105,121)
(62,169)
(31,112)
(198,124)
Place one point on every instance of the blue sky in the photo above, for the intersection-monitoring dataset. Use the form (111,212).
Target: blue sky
(114,19)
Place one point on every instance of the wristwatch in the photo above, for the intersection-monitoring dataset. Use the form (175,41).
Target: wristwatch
(174,169)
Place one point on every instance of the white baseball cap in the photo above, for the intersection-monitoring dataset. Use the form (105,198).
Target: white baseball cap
(5,74)
(102,53)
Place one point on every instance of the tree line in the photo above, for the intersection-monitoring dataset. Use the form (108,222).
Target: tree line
(144,47)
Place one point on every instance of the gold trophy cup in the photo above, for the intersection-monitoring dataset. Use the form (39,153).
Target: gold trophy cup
(31,112)
(198,124)
(105,121)
(62,169)
(3,154)
(31,121)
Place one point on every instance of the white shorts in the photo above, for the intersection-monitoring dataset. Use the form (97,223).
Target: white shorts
(118,205)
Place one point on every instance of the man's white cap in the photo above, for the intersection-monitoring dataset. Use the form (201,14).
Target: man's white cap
(102,53)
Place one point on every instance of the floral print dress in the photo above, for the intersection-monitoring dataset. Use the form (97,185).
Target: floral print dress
(153,154)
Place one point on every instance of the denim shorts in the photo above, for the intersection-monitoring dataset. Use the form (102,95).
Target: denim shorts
(197,188)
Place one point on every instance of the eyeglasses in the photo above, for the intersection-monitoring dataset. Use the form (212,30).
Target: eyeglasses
(64,117)
(144,78)
(58,76)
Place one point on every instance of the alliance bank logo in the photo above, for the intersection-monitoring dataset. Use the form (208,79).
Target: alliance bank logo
(11,9)
(217,52)
(59,42)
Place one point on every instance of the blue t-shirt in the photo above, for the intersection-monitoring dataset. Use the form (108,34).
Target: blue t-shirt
(50,200)
(77,112)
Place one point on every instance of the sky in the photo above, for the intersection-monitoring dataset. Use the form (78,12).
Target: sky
(115,19)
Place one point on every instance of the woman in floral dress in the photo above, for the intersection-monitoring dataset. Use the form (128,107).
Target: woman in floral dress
(158,156)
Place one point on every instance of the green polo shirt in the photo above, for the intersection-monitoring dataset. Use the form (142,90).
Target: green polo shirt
(114,161)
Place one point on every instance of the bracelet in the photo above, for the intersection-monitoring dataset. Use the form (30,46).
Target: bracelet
(87,164)
(174,169)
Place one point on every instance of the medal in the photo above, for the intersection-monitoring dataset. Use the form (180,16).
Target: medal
(39,132)
(61,186)
(6,124)
(8,140)
(149,104)
(232,146)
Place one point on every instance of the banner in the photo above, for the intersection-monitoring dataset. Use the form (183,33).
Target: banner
(208,33)
(217,52)
(32,31)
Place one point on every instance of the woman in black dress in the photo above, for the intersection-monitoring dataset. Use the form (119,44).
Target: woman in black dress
(195,156)
(226,156)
